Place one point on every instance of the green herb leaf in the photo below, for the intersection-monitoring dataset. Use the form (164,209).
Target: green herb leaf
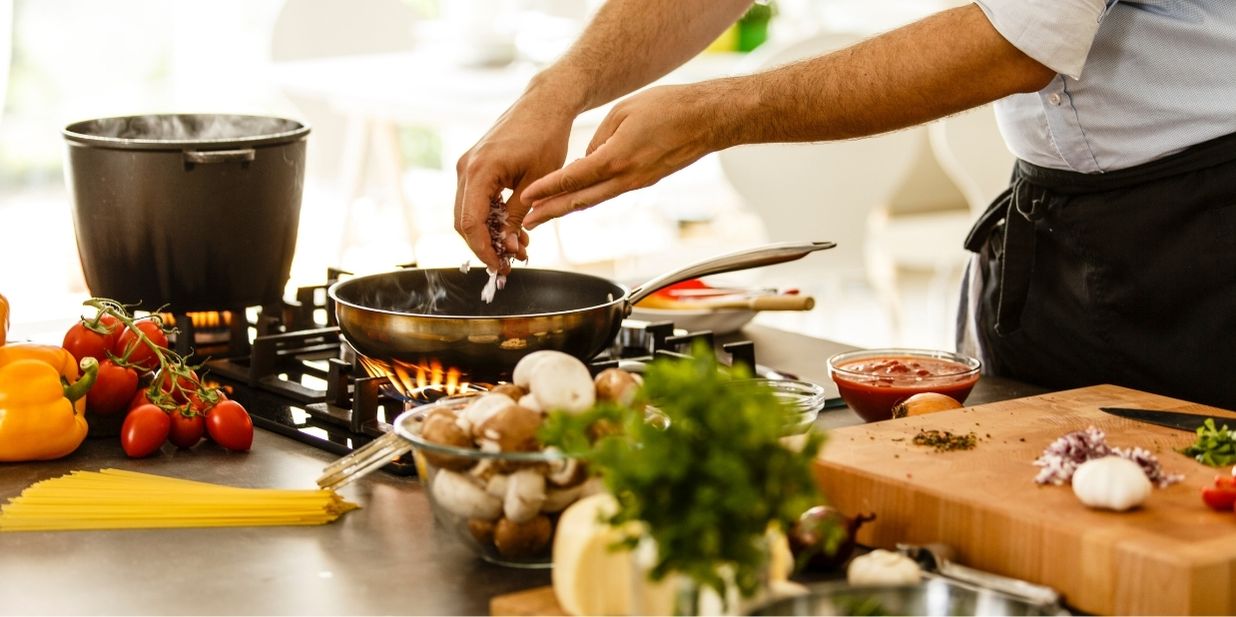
(708,480)
(1213,447)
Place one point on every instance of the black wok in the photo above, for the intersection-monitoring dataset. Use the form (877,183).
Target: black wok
(436,314)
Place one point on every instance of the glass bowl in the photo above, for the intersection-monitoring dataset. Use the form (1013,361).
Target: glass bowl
(806,399)
(873,381)
(470,491)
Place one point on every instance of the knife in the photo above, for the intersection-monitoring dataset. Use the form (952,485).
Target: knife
(1171,419)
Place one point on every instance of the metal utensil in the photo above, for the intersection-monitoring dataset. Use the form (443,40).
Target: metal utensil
(934,596)
(1171,419)
(936,559)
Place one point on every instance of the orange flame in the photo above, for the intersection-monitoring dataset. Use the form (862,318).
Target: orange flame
(202,319)
(410,379)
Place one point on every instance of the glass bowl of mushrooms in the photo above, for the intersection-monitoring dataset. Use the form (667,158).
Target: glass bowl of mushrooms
(488,478)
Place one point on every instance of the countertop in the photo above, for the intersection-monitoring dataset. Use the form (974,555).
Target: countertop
(385,558)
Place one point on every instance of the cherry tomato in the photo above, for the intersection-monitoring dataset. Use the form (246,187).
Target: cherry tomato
(113,389)
(188,427)
(1222,494)
(144,431)
(142,397)
(206,397)
(230,426)
(83,342)
(180,384)
(130,345)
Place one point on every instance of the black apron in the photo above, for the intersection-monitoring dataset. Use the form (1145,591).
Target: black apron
(1127,277)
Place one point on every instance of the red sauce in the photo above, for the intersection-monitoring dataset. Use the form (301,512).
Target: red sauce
(881,383)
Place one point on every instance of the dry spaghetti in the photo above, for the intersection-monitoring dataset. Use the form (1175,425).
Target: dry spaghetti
(119,499)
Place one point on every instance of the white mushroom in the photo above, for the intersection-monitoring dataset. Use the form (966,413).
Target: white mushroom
(562,382)
(481,409)
(461,496)
(565,472)
(497,485)
(557,500)
(522,375)
(528,401)
(525,492)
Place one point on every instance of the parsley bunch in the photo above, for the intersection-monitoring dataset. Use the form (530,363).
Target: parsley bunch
(708,483)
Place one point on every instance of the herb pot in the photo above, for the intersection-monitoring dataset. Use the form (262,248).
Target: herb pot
(190,212)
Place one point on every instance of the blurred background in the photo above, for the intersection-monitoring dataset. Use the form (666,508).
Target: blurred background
(396,90)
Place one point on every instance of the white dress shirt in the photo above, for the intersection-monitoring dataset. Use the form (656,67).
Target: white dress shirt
(1137,79)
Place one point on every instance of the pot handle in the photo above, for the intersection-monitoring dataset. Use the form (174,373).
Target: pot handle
(244,155)
(750,258)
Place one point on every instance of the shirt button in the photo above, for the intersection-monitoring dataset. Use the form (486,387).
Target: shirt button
(1054,98)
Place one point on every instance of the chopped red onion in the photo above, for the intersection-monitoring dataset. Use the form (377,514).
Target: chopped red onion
(1069,451)
(496,222)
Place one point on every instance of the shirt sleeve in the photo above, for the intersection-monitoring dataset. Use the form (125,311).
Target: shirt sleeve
(1057,33)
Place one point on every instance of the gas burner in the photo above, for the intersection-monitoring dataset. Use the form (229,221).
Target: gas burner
(291,369)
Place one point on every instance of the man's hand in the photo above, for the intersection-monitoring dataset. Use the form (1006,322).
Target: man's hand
(527,142)
(643,139)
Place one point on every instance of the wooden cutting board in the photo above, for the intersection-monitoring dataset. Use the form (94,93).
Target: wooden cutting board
(1172,556)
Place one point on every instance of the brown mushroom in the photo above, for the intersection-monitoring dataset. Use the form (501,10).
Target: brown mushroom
(481,409)
(513,428)
(616,385)
(482,530)
(509,389)
(442,428)
(522,540)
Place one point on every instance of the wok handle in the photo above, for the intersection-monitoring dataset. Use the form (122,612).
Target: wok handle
(750,258)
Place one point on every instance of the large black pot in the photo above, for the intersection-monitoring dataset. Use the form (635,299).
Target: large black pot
(193,211)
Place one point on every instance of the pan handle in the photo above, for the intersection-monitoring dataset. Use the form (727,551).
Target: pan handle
(750,258)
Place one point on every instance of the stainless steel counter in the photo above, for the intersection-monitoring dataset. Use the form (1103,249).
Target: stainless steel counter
(386,558)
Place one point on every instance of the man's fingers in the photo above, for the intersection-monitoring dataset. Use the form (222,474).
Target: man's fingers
(604,131)
(471,221)
(559,205)
(581,174)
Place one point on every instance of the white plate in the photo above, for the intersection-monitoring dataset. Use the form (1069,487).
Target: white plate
(720,321)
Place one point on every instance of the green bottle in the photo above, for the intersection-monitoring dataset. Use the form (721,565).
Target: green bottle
(753,26)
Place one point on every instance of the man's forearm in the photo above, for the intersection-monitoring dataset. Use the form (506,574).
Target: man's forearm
(630,43)
(941,65)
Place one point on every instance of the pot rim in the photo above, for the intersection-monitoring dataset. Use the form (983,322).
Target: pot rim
(75,134)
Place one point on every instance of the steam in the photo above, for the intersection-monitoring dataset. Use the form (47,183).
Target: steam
(413,294)
(186,127)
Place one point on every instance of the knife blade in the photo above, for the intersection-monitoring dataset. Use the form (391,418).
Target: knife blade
(1171,419)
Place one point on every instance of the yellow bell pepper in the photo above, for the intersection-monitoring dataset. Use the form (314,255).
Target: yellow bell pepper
(42,402)
(4,318)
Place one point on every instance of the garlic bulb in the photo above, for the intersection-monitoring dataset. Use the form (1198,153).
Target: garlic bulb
(1111,483)
(881,567)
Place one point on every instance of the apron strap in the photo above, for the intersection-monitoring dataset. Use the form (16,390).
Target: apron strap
(1019,207)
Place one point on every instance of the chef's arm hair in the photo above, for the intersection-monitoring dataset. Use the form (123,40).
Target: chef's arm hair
(630,43)
(943,64)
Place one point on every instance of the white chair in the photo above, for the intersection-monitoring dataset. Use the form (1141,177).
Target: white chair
(823,191)
(972,154)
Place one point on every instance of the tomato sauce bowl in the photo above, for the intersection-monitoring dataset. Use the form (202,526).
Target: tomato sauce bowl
(873,381)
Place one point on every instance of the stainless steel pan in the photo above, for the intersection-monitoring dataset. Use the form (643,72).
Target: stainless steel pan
(436,314)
